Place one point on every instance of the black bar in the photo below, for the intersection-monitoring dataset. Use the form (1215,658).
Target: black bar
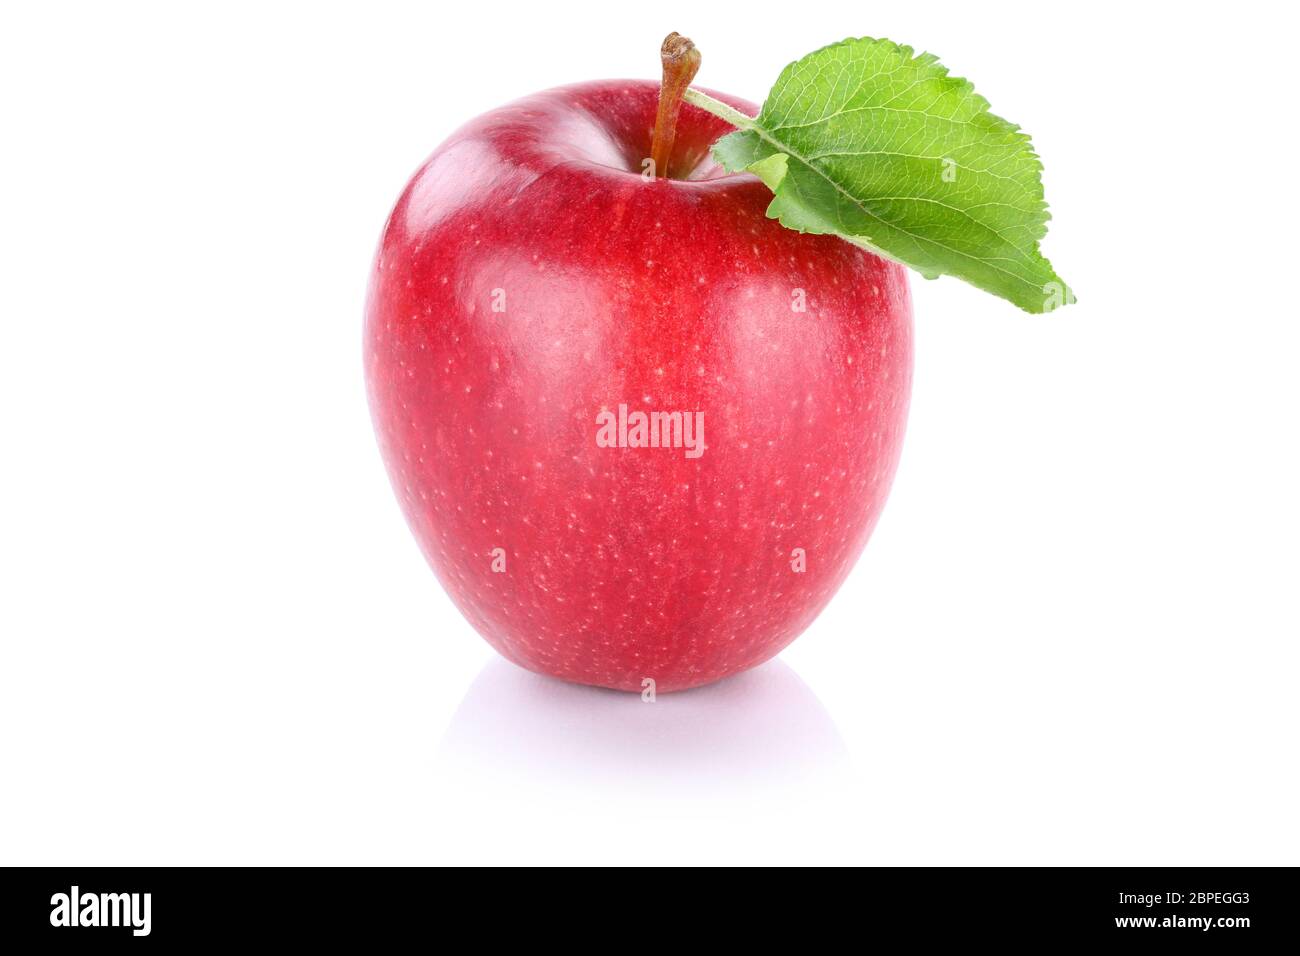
(1225,908)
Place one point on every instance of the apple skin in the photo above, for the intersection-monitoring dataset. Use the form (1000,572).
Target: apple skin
(626,564)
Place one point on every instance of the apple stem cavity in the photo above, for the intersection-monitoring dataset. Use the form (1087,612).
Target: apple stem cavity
(681,61)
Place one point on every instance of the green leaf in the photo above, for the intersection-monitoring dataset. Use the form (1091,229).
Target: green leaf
(868,142)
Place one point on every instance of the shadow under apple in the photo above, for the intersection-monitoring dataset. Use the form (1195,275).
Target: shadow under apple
(760,730)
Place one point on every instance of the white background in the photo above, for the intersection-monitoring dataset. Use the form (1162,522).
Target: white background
(1072,640)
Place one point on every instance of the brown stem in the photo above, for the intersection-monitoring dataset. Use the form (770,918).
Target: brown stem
(681,62)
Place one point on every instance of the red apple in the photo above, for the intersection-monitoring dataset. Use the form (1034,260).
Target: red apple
(530,281)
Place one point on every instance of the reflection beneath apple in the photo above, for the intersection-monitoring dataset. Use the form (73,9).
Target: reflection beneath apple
(762,729)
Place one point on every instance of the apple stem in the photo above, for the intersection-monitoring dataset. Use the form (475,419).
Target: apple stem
(681,61)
